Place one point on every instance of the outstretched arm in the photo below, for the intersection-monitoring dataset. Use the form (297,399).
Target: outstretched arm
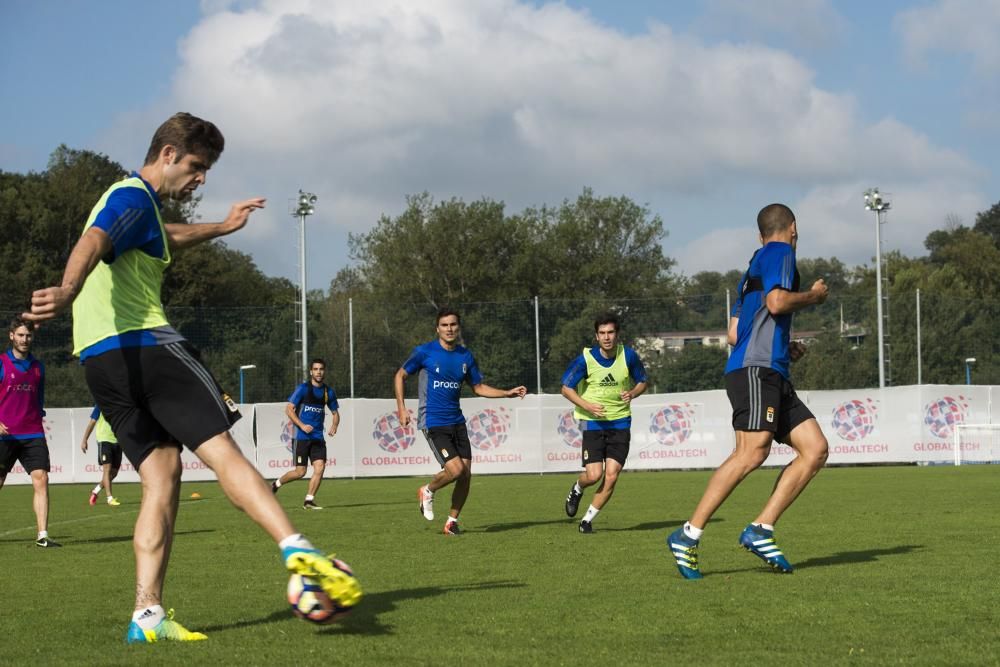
(487,391)
(185,235)
(88,251)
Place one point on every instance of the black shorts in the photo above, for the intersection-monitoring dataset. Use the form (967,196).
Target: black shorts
(157,395)
(33,455)
(447,442)
(109,452)
(309,450)
(763,400)
(601,444)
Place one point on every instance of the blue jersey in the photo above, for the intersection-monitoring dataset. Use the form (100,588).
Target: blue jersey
(762,338)
(129,220)
(442,373)
(577,371)
(310,407)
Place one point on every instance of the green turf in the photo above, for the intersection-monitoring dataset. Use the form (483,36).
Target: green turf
(894,565)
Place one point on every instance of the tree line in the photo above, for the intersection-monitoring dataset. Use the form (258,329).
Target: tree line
(579,258)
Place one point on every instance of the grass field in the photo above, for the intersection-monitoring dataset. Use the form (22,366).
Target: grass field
(894,565)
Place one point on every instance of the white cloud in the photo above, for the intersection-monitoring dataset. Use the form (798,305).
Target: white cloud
(958,26)
(366,102)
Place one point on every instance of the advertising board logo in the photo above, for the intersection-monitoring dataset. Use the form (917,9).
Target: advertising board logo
(390,435)
(569,430)
(489,428)
(941,415)
(288,435)
(854,420)
(673,424)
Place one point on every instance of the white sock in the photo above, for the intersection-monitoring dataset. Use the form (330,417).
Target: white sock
(96,490)
(295,540)
(149,617)
(766,526)
(451,519)
(309,498)
(591,513)
(110,498)
(692,532)
(427,489)
(43,533)
(577,488)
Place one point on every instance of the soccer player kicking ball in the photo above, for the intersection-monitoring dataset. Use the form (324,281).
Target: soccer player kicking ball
(109,454)
(444,365)
(601,383)
(765,406)
(149,381)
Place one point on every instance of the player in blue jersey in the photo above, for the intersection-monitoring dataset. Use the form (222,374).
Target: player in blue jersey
(765,406)
(444,365)
(109,453)
(602,382)
(306,409)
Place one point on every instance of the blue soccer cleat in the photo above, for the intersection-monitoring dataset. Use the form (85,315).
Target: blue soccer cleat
(166,630)
(337,582)
(685,551)
(760,542)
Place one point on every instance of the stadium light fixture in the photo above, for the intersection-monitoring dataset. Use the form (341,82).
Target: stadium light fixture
(306,206)
(968,369)
(875,202)
(244,368)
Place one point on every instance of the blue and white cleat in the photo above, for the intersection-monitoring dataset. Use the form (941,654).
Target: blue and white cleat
(685,552)
(166,630)
(334,577)
(760,543)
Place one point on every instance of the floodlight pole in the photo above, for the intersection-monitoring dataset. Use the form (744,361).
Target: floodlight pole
(874,202)
(968,369)
(305,208)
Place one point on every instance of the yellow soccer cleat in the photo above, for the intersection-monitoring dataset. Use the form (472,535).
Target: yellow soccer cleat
(113,501)
(334,576)
(166,630)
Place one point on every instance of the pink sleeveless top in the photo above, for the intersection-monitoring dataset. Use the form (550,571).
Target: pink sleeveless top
(20,410)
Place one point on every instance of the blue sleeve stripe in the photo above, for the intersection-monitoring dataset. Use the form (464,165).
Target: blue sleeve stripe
(124,222)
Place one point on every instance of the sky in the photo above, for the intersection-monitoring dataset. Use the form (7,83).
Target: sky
(704,110)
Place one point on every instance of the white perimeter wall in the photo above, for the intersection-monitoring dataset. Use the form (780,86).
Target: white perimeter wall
(538,434)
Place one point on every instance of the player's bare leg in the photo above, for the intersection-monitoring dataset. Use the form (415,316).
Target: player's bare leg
(810,444)
(244,486)
(160,473)
(40,502)
(317,477)
(752,448)
(607,488)
(298,472)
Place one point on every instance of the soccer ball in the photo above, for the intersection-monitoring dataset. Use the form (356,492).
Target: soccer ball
(311,603)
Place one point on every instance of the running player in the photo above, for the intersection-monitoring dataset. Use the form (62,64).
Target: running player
(444,365)
(307,410)
(765,406)
(109,454)
(22,433)
(602,383)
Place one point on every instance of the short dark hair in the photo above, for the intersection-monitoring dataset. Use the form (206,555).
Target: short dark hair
(17,322)
(774,218)
(319,361)
(606,318)
(188,134)
(445,311)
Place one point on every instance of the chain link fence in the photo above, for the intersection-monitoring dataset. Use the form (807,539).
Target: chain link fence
(531,341)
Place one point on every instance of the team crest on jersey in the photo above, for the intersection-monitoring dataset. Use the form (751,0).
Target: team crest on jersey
(464,369)
(444,453)
(586,455)
(230,403)
(770,415)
